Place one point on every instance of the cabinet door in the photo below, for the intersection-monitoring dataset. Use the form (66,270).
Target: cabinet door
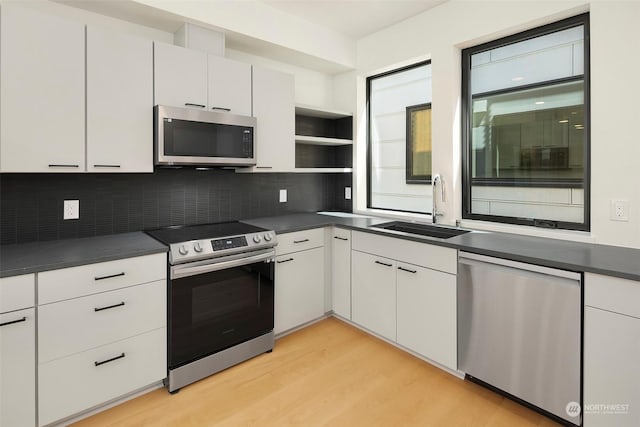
(299,294)
(611,370)
(180,76)
(229,85)
(427,313)
(119,102)
(274,108)
(17,368)
(373,293)
(42,92)
(341,272)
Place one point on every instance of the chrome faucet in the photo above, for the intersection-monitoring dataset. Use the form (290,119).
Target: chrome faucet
(434,184)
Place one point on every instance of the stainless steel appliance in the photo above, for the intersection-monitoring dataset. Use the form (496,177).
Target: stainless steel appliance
(192,137)
(220,297)
(519,330)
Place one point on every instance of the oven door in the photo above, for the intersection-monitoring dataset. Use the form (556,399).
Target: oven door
(216,304)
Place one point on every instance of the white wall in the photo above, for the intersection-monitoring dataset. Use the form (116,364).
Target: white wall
(442,32)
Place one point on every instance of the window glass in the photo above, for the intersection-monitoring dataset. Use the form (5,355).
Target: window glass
(398,121)
(526,128)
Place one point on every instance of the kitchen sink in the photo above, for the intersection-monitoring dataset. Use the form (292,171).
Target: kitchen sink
(422,229)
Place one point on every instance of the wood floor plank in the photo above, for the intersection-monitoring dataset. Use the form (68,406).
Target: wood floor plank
(328,374)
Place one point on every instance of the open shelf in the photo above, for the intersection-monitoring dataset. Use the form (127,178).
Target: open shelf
(320,140)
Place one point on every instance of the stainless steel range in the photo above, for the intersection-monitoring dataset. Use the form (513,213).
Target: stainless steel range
(220,297)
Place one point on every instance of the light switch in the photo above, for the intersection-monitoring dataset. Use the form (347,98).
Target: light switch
(283,196)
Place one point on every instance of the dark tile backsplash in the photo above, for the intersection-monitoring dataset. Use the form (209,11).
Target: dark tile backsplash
(31,204)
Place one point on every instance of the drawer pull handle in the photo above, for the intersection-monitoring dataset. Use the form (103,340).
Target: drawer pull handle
(284,260)
(109,360)
(106,166)
(221,109)
(108,307)
(189,104)
(407,270)
(11,322)
(109,277)
(340,238)
(301,241)
(383,263)
(63,166)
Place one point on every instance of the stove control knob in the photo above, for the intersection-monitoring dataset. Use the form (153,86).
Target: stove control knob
(197,247)
(183,250)
(256,238)
(267,237)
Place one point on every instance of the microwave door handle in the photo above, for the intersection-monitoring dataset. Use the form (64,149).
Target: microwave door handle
(181,271)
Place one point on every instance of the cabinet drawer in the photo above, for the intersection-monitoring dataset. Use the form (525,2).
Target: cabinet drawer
(75,383)
(300,241)
(613,294)
(66,283)
(79,324)
(17,292)
(422,254)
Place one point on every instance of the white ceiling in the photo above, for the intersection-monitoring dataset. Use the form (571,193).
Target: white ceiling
(354,18)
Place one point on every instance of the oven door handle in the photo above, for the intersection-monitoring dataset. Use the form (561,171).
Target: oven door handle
(180,271)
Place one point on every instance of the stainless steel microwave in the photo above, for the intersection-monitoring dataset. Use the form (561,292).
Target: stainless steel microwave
(190,137)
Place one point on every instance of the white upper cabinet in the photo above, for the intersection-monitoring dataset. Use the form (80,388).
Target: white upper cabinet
(229,86)
(43,92)
(274,107)
(180,76)
(119,102)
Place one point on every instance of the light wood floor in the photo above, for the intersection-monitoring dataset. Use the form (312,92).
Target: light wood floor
(328,374)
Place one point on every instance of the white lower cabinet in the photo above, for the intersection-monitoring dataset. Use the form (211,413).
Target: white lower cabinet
(101,333)
(341,272)
(374,293)
(83,380)
(18,368)
(406,292)
(299,279)
(611,352)
(427,319)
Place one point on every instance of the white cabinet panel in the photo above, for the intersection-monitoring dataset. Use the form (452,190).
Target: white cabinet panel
(119,102)
(299,293)
(83,380)
(611,370)
(274,108)
(373,291)
(42,79)
(57,285)
(80,324)
(229,85)
(18,369)
(341,272)
(17,292)
(300,241)
(613,294)
(427,320)
(180,76)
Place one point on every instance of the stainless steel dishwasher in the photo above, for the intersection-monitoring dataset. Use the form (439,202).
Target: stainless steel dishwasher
(519,330)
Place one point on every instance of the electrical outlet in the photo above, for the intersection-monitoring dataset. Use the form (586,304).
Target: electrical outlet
(347,193)
(619,210)
(283,196)
(71,209)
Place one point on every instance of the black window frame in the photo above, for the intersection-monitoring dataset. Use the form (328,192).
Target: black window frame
(466,119)
(410,178)
(369,151)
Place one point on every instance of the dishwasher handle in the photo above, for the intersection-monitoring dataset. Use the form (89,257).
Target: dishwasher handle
(471,259)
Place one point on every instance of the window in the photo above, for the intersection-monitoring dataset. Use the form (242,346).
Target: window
(419,144)
(526,127)
(399,139)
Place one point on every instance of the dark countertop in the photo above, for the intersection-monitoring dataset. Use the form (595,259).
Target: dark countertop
(51,255)
(575,256)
